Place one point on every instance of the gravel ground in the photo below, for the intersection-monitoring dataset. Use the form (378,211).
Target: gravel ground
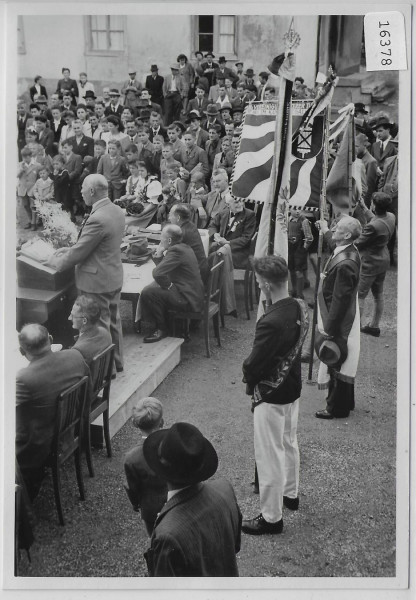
(346,523)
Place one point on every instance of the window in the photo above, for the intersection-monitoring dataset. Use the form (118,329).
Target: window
(216,33)
(105,34)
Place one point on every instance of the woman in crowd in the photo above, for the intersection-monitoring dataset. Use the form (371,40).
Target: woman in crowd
(187,73)
(148,192)
(115,130)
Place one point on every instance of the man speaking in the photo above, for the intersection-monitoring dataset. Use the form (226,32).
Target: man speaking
(96,257)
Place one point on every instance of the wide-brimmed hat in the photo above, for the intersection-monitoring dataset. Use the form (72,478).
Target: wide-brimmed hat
(193,114)
(330,352)
(360,107)
(212,110)
(41,99)
(209,53)
(238,62)
(264,74)
(226,106)
(180,455)
(249,73)
(114,92)
(154,68)
(144,113)
(175,66)
(90,94)
(384,121)
(237,109)
(222,59)
(139,251)
(180,125)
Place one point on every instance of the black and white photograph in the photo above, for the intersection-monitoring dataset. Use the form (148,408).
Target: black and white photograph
(208,245)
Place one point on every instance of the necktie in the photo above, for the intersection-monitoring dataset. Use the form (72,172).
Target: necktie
(200,103)
(131,139)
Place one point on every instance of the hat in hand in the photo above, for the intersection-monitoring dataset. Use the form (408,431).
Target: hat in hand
(329,351)
(180,455)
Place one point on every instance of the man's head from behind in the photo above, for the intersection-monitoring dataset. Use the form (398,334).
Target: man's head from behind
(94,188)
(171,235)
(148,414)
(271,273)
(34,341)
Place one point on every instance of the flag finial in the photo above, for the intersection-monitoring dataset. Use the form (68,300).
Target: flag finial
(291,39)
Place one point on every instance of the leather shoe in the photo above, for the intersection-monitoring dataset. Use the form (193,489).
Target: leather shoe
(155,337)
(374,331)
(259,526)
(323,414)
(291,503)
(119,369)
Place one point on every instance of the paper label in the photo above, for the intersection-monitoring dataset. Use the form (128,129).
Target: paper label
(385,41)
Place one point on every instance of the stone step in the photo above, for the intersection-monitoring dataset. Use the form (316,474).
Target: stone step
(145,367)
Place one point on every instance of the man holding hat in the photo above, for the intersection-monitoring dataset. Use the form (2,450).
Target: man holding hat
(173,89)
(132,82)
(198,531)
(154,83)
(337,341)
(114,108)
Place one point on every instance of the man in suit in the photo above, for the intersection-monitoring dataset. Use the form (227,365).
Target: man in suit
(93,338)
(200,102)
(67,84)
(180,214)
(198,531)
(215,201)
(383,148)
(154,83)
(97,259)
(273,376)
(132,136)
(212,118)
(370,167)
(174,132)
(208,67)
(178,284)
(389,184)
(224,72)
(82,145)
(193,156)
(156,127)
(173,91)
(46,136)
(146,491)
(56,125)
(132,82)
(339,318)
(114,108)
(194,120)
(234,226)
(361,122)
(22,119)
(73,164)
(146,102)
(37,388)
(38,88)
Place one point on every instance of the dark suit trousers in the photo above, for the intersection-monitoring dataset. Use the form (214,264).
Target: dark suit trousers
(340,400)
(110,319)
(156,302)
(173,105)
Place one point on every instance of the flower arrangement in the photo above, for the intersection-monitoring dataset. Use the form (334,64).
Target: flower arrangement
(59,231)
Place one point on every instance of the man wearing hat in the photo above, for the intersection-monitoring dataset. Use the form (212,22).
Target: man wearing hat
(200,102)
(338,328)
(154,83)
(212,118)
(194,120)
(132,82)
(361,122)
(383,148)
(208,67)
(84,86)
(223,72)
(239,66)
(90,99)
(249,81)
(263,78)
(173,89)
(114,108)
(198,531)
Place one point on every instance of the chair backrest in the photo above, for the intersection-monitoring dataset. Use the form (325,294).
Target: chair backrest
(69,416)
(215,278)
(101,370)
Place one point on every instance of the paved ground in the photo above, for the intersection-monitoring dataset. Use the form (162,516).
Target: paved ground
(346,523)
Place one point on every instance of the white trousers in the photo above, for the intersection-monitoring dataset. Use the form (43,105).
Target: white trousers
(277,455)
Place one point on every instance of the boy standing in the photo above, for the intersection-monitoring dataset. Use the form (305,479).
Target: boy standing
(299,239)
(115,170)
(27,174)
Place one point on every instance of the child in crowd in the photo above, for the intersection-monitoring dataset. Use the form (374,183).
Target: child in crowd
(145,490)
(27,174)
(60,178)
(196,190)
(42,191)
(169,199)
(73,163)
(299,239)
(221,158)
(158,142)
(91,163)
(134,186)
(42,158)
(167,161)
(175,182)
(114,168)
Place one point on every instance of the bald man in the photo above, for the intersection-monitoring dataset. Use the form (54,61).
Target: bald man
(339,316)
(97,259)
(37,389)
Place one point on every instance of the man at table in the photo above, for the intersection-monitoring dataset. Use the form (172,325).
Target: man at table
(180,214)
(177,286)
(97,259)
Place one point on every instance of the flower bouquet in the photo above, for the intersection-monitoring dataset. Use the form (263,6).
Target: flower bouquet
(59,231)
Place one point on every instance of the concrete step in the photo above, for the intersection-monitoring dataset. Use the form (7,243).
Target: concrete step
(145,367)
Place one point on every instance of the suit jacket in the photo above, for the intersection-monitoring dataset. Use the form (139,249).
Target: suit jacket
(85,147)
(144,488)
(96,255)
(214,94)
(194,105)
(239,236)
(277,332)
(227,73)
(92,341)
(162,131)
(372,244)
(389,181)
(57,131)
(380,156)
(21,131)
(137,84)
(47,141)
(196,156)
(118,112)
(205,125)
(37,388)
(155,86)
(192,237)
(370,166)
(213,203)
(180,267)
(74,167)
(202,138)
(113,170)
(70,85)
(339,289)
(209,74)
(26,178)
(126,142)
(167,83)
(33,91)
(197,533)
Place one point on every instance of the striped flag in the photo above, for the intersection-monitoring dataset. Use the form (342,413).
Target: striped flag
(253,164)
(341,186)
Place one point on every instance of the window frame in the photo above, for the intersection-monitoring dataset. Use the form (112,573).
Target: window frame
(108,52)
(216,36)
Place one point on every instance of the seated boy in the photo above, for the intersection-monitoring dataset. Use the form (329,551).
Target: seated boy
(145,490)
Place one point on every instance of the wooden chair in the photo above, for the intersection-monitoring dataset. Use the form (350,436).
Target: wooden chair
(248,278)
(99,400)
(68,437)
(211,309)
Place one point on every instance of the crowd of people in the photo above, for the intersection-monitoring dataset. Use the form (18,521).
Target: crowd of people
(164,152)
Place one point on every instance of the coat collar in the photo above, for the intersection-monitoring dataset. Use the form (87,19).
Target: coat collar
(179,498)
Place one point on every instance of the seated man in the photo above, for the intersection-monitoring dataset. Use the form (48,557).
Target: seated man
(177,285)
(37,388)
(210,204)
(180,214)
(93,338)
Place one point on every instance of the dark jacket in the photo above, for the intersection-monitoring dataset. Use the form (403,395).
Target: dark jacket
(33,91)
(91,342)
(372,244)
(155,85)
(192,237)
(47,141)
(144,488)
(277,332)
(197,533)
(84,148)
(180,267)
(239,236)
(381,156)
(70,85)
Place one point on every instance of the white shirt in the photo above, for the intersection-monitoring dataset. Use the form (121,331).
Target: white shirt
(173,87)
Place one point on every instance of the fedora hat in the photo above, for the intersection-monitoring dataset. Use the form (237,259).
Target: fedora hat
(193,114)
(175,66)
(360,107)
(226,106)
(90,94)
(180,455)
(212,110)
(383,121)
(114,92)
(209,53)
(249,73)
(144,113)
(238,62)
(237,109)
(222,59)
(180,125)
(154,68)
(41,99)
(330,352)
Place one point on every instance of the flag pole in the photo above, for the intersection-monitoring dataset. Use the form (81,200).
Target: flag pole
(322,212)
